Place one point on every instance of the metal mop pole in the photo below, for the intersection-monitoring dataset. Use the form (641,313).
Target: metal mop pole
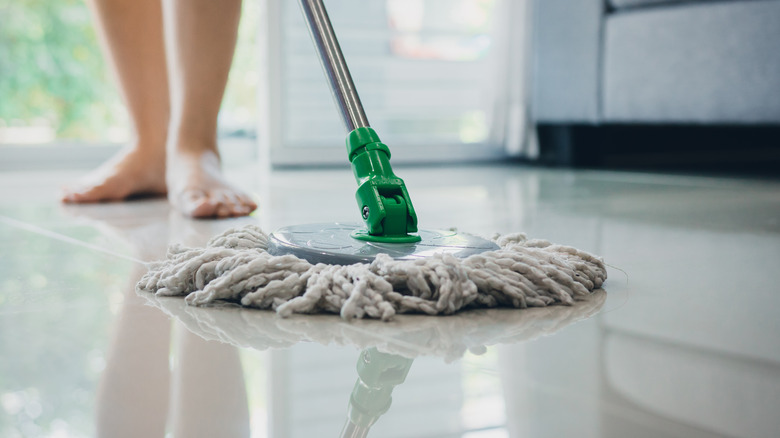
(336,68)
(382,198)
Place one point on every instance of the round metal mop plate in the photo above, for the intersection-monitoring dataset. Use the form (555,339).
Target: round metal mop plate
(332,244)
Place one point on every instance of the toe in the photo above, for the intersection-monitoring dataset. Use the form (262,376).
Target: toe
(204,210)
(68,196)
(73,193)
(224,211)
(224,205)
(80,195)
(248,204)
(198,204)
(242,204)
(239,206)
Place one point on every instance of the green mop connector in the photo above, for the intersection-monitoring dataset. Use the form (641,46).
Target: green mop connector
(384,203)
(378,374)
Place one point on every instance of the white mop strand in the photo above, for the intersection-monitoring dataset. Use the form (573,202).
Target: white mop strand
(235,266)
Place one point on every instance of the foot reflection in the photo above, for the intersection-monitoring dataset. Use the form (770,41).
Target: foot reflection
(208,391)
(149,387)
(138,394)
(132,398)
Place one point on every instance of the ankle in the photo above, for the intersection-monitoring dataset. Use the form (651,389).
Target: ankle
(151,154)
(153,137)
(148,146)
(189,135)
(193,146)
(184,157)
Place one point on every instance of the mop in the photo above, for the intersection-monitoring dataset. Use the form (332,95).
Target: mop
(383,267)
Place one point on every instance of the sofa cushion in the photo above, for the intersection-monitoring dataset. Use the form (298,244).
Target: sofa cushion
(713,63)
(621,4)
(567,47)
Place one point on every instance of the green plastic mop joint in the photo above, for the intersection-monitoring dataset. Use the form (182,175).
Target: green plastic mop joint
(382,198)
(378,374)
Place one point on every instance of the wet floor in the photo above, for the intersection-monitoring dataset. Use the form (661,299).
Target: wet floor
(684,340)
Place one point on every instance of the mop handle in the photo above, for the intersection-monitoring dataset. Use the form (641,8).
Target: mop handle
(335,66)
(382,198)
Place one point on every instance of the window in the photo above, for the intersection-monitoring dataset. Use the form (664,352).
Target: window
(54,84)
(56,88)
(431,74)
(428,73)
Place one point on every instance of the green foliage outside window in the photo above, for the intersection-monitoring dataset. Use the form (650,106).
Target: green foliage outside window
(53,74)
(52,71)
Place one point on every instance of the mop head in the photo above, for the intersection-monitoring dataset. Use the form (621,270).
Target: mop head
(235,266)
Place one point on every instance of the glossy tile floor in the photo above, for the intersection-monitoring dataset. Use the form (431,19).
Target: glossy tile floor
(683,342)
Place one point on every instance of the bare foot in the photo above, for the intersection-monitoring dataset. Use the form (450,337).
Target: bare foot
(198,189)
(131,172)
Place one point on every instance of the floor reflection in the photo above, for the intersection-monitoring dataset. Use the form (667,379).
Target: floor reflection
(378,373)
(159,376)
(203,395)
(447,337)
(684,345)
(187,379)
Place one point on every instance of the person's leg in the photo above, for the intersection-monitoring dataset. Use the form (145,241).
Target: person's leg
(200,37)
(133,392)
(208,391)
(132,36)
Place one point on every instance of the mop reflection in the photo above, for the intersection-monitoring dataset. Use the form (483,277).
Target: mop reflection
(204,392)
(140,394)
(378,373)
(448,338)
(388,350)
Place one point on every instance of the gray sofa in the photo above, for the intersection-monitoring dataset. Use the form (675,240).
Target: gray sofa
(656,62)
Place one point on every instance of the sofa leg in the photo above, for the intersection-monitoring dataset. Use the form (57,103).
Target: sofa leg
(738,148)
(567,145)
